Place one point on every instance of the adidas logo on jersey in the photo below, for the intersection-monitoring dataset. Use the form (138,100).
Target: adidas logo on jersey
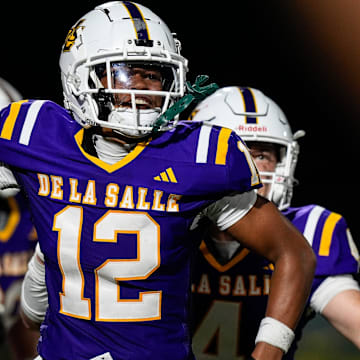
(167,176)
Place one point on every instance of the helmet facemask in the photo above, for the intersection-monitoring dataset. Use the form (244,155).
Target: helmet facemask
(280,182)
(128,96)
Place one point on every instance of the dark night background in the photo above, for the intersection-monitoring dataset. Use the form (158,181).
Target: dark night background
(305,55)
(282,49)
(286,50)
(301,55)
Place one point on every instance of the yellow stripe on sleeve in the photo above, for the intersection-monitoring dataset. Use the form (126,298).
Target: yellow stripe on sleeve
(327,234)
(222,147)
(9,123)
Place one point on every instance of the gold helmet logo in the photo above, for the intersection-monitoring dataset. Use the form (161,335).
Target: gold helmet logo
(72,35)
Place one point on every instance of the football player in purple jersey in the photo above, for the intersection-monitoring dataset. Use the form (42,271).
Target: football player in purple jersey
(231,285)
(116,191)
(17,244)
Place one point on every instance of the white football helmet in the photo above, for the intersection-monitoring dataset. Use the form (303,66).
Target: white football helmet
(8,186)
(99,59)
(8,93)
(257,118)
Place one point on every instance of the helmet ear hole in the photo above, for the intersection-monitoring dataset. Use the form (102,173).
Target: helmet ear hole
(280,152)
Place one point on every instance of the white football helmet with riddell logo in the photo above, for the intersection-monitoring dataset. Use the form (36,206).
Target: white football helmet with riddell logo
(257,118)
(109,41)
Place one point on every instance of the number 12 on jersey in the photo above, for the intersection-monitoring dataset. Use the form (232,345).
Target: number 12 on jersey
(108,304)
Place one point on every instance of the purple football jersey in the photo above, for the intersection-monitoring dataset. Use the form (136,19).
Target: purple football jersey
(229,299)
(17,243)
(116,238)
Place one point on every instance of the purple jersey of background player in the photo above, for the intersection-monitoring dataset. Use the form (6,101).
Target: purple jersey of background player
(17,241)
(238,289)
(100,215)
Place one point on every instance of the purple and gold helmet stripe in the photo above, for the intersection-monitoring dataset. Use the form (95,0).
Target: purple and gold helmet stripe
(141,29)
(249,104)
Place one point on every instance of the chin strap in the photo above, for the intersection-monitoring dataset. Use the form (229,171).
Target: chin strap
(196,92)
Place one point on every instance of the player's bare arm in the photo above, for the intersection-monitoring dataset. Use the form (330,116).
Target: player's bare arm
(267,232)
(343,313)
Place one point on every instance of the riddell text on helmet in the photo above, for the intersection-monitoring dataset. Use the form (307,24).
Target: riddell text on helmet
(253,128)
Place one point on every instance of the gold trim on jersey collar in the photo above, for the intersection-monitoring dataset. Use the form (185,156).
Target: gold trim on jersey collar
(102,164)
(214,263)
